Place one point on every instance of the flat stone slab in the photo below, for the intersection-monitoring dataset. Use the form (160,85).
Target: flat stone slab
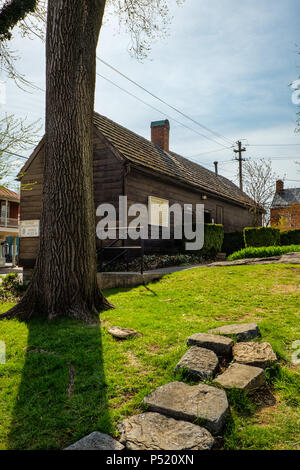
(185,402)
(122,333)
(198,362)
(254,354)
(240,331)
(153,431)
(221,345)
(96,441)
(243,377)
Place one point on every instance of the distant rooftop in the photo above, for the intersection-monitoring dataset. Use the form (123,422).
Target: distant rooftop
(8,194)
(286,197)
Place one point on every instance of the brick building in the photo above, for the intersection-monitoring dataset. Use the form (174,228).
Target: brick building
(285,208)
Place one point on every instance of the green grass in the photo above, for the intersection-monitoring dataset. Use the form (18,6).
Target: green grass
(112,377)
(263,252)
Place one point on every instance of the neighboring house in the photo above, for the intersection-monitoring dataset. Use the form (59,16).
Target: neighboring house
(9,224)
(128,164)
(285,208)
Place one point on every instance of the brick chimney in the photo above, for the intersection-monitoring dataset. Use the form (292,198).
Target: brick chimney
(160,131)
(279,186)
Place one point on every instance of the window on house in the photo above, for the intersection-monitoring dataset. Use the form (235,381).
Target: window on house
(3,210)
(158,211)
(207,217)
(220,215)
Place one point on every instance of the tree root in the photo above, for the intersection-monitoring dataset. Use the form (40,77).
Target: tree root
(30,307)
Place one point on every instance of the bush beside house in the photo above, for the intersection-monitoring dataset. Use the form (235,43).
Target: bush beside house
(290,237)
(233,241)
(213,240)
(261,236)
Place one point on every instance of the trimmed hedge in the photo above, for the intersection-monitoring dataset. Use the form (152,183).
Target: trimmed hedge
(233,241)
(263,252)
(213,240)
(290,237)
(261,236)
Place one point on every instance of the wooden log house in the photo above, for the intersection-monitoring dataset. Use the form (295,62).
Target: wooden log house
(130,165)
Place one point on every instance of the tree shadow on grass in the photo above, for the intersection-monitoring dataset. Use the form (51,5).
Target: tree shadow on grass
(62,394)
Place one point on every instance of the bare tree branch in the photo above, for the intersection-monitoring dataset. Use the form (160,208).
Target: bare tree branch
(259,183)
(16,135)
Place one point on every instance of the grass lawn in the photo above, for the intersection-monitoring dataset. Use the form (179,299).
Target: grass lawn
(112,377)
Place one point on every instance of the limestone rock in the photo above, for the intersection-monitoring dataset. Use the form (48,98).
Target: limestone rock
(254,354)
(246,378)
(153,431)
(96,441)
(122,333)
(240,331)
(198,362)
(221,345)
(191,403)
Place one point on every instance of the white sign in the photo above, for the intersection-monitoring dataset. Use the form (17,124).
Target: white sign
(29,228)
(158,211)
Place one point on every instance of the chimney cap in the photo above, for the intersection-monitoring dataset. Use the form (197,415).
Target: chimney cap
(160,123)
(279,186)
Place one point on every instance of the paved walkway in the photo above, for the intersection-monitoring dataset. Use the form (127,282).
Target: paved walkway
(290,258)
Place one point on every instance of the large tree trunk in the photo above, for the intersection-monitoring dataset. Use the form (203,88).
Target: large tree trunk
(64,280)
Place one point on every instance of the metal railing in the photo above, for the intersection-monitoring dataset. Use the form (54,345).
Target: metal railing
(7,222)
(122,252)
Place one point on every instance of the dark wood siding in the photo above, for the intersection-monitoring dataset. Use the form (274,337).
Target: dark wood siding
(108,184)
(31,206)
(140,185)
(113,176)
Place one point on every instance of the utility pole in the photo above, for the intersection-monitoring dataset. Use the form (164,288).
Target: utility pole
(240,150)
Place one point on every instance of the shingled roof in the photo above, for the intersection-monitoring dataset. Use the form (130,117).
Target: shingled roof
(286,197)
(8,194)
(142,152)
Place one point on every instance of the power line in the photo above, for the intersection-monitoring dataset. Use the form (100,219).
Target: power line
(271,145)
(15,154)
(206,153)
(217,134)
(156,109)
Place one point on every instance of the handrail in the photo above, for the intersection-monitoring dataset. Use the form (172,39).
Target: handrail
(124,252)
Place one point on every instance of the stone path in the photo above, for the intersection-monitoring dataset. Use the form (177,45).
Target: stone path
(153,431)
(199,363)
(242,377)
(183,417)
(221,345)
(96,441)
(191,403)
(254,354)
(239,331)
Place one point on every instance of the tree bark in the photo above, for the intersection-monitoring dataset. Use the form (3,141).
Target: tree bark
(64,281)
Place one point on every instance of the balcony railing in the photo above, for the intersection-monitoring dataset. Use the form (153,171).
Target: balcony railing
(10,223)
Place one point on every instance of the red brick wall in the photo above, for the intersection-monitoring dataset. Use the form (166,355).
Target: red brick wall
(286,218)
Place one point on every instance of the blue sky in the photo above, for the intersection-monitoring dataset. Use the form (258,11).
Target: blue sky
(226,63)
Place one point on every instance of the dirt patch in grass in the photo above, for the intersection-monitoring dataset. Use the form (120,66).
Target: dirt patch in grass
(135,362)
(153,348)
(285,288)
(264,397)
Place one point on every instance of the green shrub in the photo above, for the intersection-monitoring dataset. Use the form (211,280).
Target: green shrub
(11,287)
(290,237)
(261,236)
(263,252)
(213,240)
(233,241)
